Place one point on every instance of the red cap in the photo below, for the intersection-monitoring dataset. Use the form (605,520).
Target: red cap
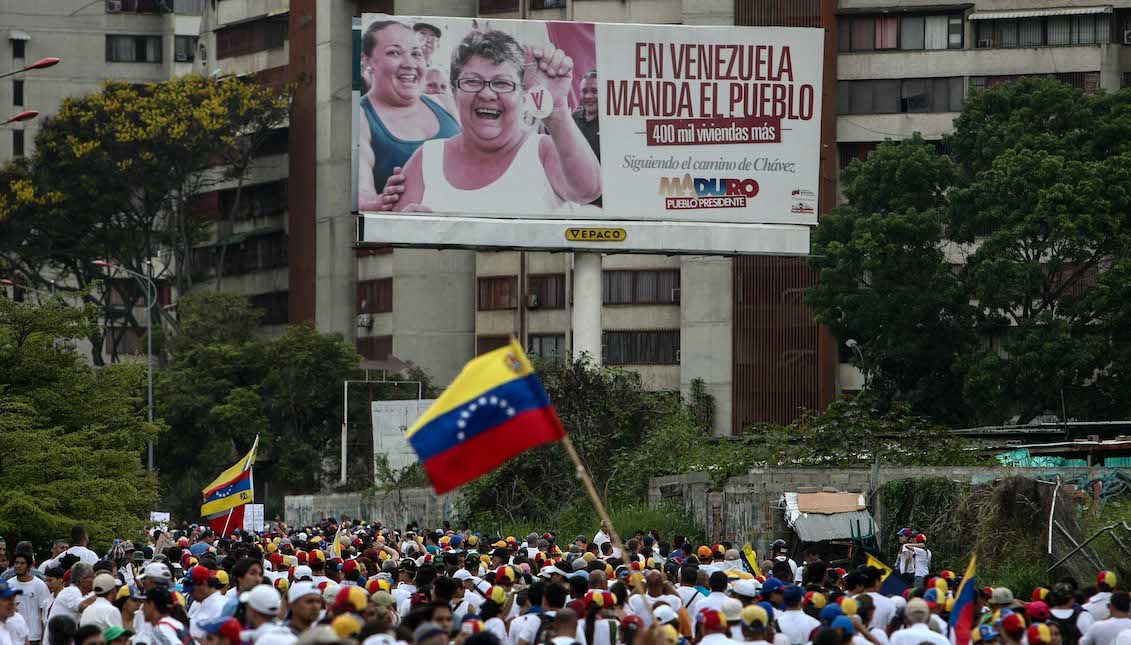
(200,573)
(1038,611)
(1014,625)
(713,621)
(302,556)
(349,566)
(230,630)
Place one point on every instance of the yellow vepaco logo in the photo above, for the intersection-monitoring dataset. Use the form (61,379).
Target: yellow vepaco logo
(596,234)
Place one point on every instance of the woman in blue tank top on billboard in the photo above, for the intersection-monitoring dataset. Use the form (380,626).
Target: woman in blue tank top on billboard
(397,117)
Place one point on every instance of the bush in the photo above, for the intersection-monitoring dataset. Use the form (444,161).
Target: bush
(581,519)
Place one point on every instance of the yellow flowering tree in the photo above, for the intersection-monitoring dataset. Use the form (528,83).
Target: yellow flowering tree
(115,175)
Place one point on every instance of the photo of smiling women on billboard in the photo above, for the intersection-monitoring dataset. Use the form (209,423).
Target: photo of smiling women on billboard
(519,150)
(397,117)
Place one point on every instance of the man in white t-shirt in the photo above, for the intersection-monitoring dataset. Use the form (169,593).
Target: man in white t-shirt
(72,600)
(34,599)
(1097,605)
(658,591)
(885,607)
(1106,631)
(13,624)
(102,613)
(208,601)
(918,616)
(79,549)
(793,622)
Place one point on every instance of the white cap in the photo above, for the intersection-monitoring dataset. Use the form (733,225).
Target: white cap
(462,575)
(263,599)
(156,570)
(104,583)
(732,609)
(664,614)
(302,536)
(330,593)
(748,587)
(303,572)
(300,589)
(547,571)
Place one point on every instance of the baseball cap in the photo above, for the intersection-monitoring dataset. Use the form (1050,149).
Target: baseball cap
(732,609)
(351,599)
(1013,625)
(829,613)
(114,631)
(664,614)
(815,599)
(1001,596)
(226,627)
(1038,633)
(104,583)
(1038,611)
(845,623)
(1106,578)
(7,591)
(462,575)
(303,572)
(792,594)
(383,599)
(301,589)
(771,585)
(704,552)
(748,588)
(755,616)
(263,599)
(712,620)
(346,625)
(987,633)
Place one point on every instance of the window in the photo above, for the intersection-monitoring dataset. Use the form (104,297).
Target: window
(484,344)
(900,96)
(848,152)
(375,296)
(546,345)
(19,48)
(17,93)
(133,49)
(498,293)
(258,200)
(652,287)
(375,348)
(911,32)
(251,37)
(276,143)
(188,7)
(641,347)
(1038,32)
(549,290)
(17,143)
(254,253)
(1088,82)
(274,306)
(136,6)
(184,48)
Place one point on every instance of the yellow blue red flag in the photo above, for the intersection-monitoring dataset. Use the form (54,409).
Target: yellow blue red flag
(892,585)
(495,409)
(962,617)
(750,559)
(231,489)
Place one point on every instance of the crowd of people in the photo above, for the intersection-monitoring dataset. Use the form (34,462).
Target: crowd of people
(352,582)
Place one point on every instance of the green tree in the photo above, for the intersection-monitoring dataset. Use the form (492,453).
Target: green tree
(224,385)
(114,175)
(971,279)
(74,437)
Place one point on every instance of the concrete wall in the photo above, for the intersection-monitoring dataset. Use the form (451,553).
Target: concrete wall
(434,310)
(706,331)
(746,509)
(393,508)
(391,419)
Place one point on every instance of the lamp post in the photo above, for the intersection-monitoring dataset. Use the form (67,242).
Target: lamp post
(26,115)
(42,63)
(855,346)
(150,296)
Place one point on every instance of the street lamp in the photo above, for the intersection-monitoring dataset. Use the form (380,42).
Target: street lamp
(150,296)
(26,115)
(42,63)
(855,346)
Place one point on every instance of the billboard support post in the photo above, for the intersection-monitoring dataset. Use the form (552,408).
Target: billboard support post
(587,305)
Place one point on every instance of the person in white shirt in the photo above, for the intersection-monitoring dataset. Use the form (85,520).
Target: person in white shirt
(917,614)
(208,601)
(885,607)
(34,599)
(713,625)
(79,550)
(102,613)
(793,622)
(164,629)
(1106,631)
(1097,605)
(658,591)
(1064,608)
(717,583)
(71,601)
(602,535)
(12,623)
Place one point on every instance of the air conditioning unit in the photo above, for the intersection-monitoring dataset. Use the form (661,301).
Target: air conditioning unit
(182,57)
(113,6)
(533,301)
(1127,37)
(365,321)
(985,43)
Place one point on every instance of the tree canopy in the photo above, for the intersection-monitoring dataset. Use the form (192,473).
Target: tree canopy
(74,437)
(987,283)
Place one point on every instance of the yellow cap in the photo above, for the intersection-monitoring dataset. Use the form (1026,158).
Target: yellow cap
(345,626)
(849,606)
(222,576)
(752,614)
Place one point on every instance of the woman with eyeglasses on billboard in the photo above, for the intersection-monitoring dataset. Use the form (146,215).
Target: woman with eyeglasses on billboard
(499,163)
(397,117)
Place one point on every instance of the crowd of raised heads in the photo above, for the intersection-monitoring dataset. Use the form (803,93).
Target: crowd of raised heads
(349,582)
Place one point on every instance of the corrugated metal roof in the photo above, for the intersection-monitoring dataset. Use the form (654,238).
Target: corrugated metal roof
(817,527)
(1038,13)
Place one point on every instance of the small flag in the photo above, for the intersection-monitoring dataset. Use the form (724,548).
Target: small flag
(962,619)
(231,489)
(750,560)
(336,548)
(892,585)
(495,409)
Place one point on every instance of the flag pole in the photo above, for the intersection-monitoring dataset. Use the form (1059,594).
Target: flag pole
(247,467)
(583,475)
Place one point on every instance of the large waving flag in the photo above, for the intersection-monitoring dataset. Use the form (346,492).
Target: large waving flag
(227,495)
(962,618)
(892,585)
(750,559)
(494,410)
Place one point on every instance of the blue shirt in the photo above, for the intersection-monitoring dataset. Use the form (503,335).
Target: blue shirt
(389,151)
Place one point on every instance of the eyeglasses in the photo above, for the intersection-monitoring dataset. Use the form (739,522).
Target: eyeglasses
(476,85)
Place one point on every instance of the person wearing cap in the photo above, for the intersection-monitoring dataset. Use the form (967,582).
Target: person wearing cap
(72,600)
(117,635)
(305,604)
(1001,605)
(713,626)
(986,634)
(35,597)
(657,590)
(224,630)
(128,601)
(12,625)
(208,602)
(1097,605)
(793,622)
(1106,630)
(102,612)
(918,616)
(756,626)
(262,604)
(163,628)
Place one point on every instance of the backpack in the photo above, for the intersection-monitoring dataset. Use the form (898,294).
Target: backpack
(545,631)
(1069,632)
(182,634)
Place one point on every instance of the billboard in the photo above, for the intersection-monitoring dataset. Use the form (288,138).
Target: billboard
(587,122)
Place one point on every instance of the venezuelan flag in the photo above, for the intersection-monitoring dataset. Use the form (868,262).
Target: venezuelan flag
(494,410)
(892,585)
(231,489)
(750,559)
(962,619)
